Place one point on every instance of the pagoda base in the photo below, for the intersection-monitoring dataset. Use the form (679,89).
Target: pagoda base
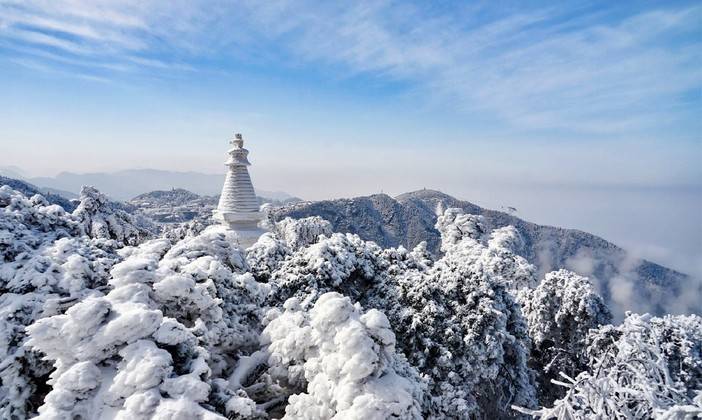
(244,224)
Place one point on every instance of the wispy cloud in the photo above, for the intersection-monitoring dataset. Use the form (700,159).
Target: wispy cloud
(124,36)
(533,69)
(554,68)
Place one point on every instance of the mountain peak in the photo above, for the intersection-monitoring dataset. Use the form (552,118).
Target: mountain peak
(424,194)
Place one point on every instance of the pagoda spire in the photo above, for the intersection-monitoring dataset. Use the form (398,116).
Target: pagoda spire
(238,206)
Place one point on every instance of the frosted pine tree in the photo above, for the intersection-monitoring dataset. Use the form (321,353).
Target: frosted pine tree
(560,312)
(647,367)
(458,323)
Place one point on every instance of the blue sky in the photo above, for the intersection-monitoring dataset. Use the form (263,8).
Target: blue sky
(109,85)
(339,99)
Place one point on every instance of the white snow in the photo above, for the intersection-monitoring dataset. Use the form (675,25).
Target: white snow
(99,319)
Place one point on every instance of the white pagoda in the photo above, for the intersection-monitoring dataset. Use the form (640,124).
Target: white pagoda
(238,206)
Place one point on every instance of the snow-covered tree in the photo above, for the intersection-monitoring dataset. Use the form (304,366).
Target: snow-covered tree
(455,318)
(302,233)
(28,224)
(177,231)
(101,219)
(647,367)
(458,323)
(560,313)
(340,362)
(342,262)
(467,238)
(96,322)
(163,341)
(46,266)
(286,236)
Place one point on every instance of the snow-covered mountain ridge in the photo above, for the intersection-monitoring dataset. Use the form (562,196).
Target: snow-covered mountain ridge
(626,282)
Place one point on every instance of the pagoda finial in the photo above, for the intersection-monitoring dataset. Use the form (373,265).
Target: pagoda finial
(238,140)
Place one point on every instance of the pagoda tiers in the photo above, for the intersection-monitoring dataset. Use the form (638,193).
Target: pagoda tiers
(238,206)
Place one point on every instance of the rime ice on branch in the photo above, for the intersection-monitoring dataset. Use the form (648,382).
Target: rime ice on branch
(238,206)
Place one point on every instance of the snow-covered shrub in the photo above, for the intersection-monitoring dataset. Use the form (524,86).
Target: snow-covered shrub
(202,280)
(161,343)
(341,361)
(645,368)
(286,236)
(495,252)
(66,266)
(46,267)
(100,219)
(560,313)
(265,256)
(27,224)
(21,371)
(341,262)
(302,233)
(177,231)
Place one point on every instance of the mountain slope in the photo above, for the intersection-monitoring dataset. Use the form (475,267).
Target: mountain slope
(174,197)
(625,282)
(29,190)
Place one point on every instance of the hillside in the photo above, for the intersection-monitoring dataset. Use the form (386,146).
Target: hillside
(175,205)
(624,282)
(29,190)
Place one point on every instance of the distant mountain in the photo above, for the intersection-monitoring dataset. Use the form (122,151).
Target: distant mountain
(29,190)
(174,197)
(625,282)
(12,171)
(16,173)
(65,194)
(175,205)
(124,185)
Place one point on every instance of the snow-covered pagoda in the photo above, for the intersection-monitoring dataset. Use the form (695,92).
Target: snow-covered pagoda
(238,206)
